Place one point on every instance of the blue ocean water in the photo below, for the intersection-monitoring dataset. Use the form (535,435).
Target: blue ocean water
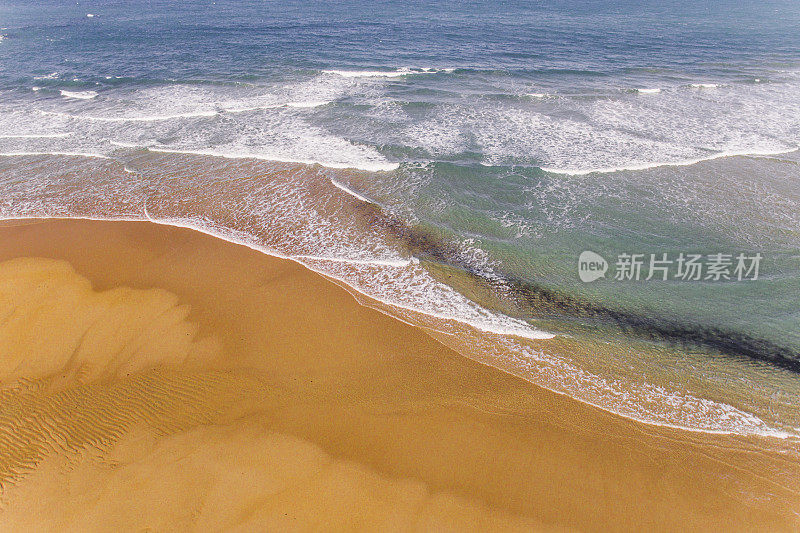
(454,160)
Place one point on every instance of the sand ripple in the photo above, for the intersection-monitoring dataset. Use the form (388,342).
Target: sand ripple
(114,415)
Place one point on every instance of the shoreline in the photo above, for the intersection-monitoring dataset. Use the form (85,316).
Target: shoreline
(396,311)
(372,390)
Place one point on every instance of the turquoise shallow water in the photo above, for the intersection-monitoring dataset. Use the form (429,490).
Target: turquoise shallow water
(495,142)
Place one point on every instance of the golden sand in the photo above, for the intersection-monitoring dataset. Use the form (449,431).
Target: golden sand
(153,377)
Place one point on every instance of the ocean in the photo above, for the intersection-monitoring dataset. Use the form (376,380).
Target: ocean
(449,163)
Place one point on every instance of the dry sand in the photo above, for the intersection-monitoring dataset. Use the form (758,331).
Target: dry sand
(153,377)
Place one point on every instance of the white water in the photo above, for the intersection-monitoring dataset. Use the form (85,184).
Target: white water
(311,120)
(80,95)
(307,122)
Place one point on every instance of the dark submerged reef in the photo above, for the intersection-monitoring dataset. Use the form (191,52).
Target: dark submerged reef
(536,301)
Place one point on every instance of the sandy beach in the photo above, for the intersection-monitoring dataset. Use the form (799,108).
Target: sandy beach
(420,266)
(157,378)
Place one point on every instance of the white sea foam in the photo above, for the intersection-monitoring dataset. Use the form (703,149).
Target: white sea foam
(80,95)
(307,104)
(122,144)
(136,118)
(385,73)
(392,263)
(349,191)
(703,85)
(36,135)
(678,128)
(682,410)
(245,109)
(648,91)
(433,302)
(376,166)
(185,116)
(603,135)
(298,105)
(656,164)
(368,73)
(71,154)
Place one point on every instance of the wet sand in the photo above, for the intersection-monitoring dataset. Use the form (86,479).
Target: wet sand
(156,377)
